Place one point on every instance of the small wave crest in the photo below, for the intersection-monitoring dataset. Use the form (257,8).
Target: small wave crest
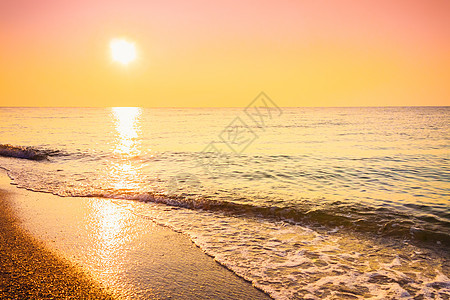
(336,215)
(30,153)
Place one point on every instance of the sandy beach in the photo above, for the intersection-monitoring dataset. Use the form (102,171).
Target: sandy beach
(31,271)
(51,247)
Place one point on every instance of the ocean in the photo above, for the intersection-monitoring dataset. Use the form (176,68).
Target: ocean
(303,202)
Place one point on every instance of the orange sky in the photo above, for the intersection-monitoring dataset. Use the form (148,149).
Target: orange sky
(223,53)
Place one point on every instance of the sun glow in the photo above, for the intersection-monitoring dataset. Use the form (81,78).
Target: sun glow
(122,51)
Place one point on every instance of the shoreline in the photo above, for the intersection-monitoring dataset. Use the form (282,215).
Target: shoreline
(110,247)
(30,270)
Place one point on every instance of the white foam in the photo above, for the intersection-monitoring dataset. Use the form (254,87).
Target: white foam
(290,261)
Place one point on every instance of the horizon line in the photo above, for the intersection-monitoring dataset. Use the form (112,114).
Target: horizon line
(230,107)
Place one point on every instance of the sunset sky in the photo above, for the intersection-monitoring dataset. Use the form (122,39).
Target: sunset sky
(223,53)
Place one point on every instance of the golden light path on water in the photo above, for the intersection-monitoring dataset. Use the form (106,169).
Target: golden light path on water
(126,146)
(110,222)
(127,125)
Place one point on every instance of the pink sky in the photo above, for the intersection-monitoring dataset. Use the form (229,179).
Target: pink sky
(418,31)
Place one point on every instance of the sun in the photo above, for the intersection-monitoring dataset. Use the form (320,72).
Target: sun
(122,51)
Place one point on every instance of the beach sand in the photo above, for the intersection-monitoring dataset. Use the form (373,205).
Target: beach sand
(30,271)
(93,248)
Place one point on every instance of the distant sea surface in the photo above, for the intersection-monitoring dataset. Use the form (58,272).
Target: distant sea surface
(300,201)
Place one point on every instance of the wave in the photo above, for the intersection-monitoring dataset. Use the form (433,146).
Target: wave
(29,153)
(335,215)
(379,219)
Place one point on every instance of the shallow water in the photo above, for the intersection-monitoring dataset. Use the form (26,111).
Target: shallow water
(304,202)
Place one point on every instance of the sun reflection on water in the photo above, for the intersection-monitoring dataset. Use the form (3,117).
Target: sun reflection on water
(123,173)
(127,125)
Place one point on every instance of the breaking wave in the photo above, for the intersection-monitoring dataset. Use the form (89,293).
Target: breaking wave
(29,153)
(364,219)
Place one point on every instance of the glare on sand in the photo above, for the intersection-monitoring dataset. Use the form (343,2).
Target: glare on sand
(122,51)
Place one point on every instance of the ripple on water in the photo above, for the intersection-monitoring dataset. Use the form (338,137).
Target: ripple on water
(294,262)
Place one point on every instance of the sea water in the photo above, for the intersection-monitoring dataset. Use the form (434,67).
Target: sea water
(303,202)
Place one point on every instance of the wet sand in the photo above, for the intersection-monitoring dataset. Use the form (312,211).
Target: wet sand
(30,271)
(72,246)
